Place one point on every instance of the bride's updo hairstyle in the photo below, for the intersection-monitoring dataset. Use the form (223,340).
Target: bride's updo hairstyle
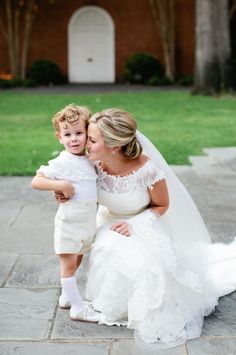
(118,129)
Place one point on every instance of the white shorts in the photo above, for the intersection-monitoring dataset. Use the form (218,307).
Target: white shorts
(75,227)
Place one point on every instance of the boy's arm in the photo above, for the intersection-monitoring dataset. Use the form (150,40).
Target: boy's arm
(41,182)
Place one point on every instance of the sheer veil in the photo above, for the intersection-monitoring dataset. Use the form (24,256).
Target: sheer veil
(215,264)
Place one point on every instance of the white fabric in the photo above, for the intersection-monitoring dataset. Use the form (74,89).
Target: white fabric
(160,279)
(75,169)
(190,234)
(75,227)
(70,289)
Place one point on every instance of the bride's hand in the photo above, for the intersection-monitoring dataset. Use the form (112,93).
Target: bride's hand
(122,228)
(60,197)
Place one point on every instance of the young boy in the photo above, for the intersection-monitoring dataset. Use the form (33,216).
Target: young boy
(75,223)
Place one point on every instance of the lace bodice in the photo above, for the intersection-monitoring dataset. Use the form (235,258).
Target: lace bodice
(127,195)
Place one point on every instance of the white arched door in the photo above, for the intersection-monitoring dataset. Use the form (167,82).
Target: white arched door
(91,46)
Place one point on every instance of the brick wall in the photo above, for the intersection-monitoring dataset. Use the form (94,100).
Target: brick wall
(135,31)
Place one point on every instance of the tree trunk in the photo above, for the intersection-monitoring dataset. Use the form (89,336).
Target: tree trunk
(232,9)
(164,17)
(212,48)
(16,44)
(26,36)
(17,30)
(10,38)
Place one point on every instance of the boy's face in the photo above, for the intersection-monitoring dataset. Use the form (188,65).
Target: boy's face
(73,136)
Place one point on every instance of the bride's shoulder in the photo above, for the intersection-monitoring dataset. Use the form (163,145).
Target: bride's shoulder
(151,168)
(139,163)
(143,159)
(147,161)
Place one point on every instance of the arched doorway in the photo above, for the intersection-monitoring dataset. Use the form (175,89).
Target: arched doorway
(91,46)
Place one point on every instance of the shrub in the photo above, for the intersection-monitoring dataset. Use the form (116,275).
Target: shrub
(141,67)
(45,72)
(12,83)
(158,81)
(186,80)
(4,84)
(29,83)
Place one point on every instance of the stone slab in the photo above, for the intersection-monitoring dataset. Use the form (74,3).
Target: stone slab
(9,213)
(35,271)
(221,232)
(27,238)
(26,314)
(223,320)
(129,347)
(64,328)
(7,262)
(214,346)
(221,154)
(18,189)
(49,348)
(38,214)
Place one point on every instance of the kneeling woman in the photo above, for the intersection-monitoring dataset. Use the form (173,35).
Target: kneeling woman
(144,264)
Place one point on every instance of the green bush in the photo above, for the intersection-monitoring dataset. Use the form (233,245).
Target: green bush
(159,81)
(141,67)
(16,82)
(29,83)
(5,84)
(45,72)
(186,80)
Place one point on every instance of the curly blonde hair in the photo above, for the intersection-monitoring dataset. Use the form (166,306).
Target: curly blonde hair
(71,114)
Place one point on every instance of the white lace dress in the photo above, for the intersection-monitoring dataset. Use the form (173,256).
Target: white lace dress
(140,280)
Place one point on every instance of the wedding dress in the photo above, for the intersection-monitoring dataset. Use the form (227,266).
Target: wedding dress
(163,279)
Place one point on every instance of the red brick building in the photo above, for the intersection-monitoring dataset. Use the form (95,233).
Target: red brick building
(90,40)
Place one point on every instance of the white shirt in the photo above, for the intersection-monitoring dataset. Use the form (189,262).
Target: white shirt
(77,170)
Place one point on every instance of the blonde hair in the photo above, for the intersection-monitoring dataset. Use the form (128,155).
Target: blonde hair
(118,129)
(71,114)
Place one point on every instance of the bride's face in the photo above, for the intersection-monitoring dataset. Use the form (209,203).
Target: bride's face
(95,144)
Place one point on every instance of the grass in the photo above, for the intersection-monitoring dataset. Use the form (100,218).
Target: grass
(178,123)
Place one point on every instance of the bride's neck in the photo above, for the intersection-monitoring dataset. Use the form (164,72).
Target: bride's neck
(120,165)
(117,166)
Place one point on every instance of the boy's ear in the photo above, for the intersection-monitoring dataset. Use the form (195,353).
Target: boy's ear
(58,136)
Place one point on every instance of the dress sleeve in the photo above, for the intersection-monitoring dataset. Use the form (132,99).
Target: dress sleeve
(153,175)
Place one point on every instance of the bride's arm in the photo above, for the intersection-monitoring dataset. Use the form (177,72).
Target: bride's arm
(159,197)
(159,204)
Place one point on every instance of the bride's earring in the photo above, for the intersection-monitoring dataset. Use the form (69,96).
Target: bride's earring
(113,153)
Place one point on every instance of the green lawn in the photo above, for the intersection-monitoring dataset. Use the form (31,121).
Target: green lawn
(178,123)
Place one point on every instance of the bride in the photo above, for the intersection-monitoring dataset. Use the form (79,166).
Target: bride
(152,265)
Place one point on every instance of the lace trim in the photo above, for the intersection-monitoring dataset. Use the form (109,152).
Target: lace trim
(142,178)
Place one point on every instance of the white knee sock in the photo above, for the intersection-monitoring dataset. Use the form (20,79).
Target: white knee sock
(70,289)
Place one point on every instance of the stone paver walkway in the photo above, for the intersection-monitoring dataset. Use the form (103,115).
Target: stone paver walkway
(32,323)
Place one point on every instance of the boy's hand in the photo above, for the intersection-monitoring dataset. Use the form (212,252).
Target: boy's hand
(60,197)
(67,189)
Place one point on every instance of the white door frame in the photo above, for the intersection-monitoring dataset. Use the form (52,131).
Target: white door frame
(73,42)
